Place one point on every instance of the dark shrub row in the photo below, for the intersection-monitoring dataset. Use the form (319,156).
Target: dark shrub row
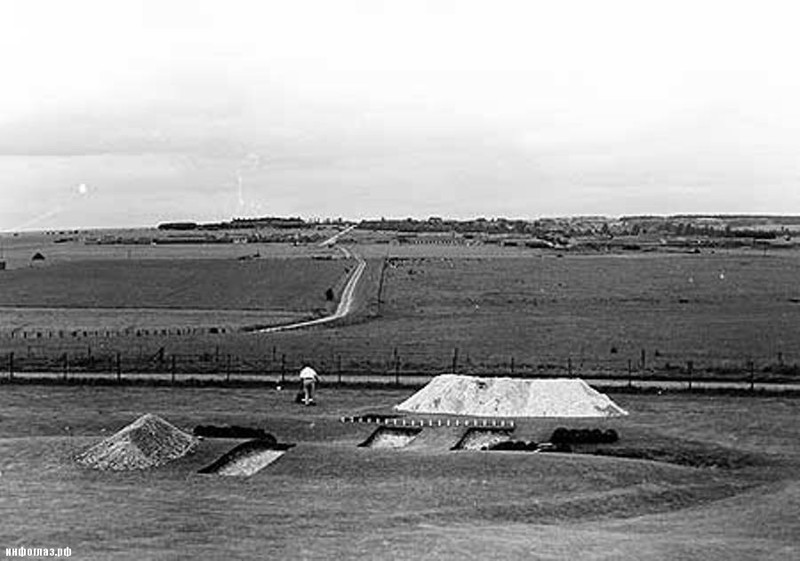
(522,446)
(211,431)
(584,436)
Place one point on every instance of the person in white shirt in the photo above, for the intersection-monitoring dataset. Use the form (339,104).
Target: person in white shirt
(309,379)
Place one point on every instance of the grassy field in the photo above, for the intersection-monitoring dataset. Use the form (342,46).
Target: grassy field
(212,284)
(495,308)
(53,324)
(111,295)
(726,488)
(328,499)
(17,250)
(542,306)
(599,311)
(541,311)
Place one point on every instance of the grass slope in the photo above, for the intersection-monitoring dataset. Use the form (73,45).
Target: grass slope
(325,498)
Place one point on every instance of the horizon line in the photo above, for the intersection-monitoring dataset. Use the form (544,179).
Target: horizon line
(343,220)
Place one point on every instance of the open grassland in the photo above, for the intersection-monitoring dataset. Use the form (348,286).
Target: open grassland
(328,499)
(111,296)
(56,324)
(492,309)
(224,284)
(597,312)
(17,250)
(541,312)
(541,306)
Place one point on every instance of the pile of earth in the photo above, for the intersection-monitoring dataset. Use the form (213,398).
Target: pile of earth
(148,442)
(454,394)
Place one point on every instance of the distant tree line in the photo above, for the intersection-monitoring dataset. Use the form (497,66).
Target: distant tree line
(680,228)
(722,226)
(441,225)
(241,224)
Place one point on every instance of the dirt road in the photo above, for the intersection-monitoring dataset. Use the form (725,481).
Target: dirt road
(345,302)
(332,240)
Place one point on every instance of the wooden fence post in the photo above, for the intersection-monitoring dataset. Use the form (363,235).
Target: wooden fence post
(690,372)
(119,367)
(172,368)
(283,368)
(455,360)
(752,376)
(630,373)
(11,366)
(396,367)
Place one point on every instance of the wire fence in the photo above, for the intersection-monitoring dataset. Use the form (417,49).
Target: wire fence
(391,367)
(40,335)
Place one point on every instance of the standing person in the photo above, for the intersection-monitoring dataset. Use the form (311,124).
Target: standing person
(309,379)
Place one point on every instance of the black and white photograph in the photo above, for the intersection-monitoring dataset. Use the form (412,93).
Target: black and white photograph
(399,280)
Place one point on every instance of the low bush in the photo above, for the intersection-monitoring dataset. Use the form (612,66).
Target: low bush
(518,445)
(564,435)
(234,431)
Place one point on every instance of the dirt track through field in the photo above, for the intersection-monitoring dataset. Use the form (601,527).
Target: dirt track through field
(345,302)
(332,240)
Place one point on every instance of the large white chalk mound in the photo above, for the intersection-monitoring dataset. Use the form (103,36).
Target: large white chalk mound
(149,441)
(453,394)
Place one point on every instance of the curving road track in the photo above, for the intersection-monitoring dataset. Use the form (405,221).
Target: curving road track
(332,240)
(345,302)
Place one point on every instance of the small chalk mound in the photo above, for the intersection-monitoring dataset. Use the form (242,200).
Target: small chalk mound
(248,458)
(482,439)
(148,442)
(391,437)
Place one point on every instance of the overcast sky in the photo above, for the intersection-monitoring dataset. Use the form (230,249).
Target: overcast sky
(118,113)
